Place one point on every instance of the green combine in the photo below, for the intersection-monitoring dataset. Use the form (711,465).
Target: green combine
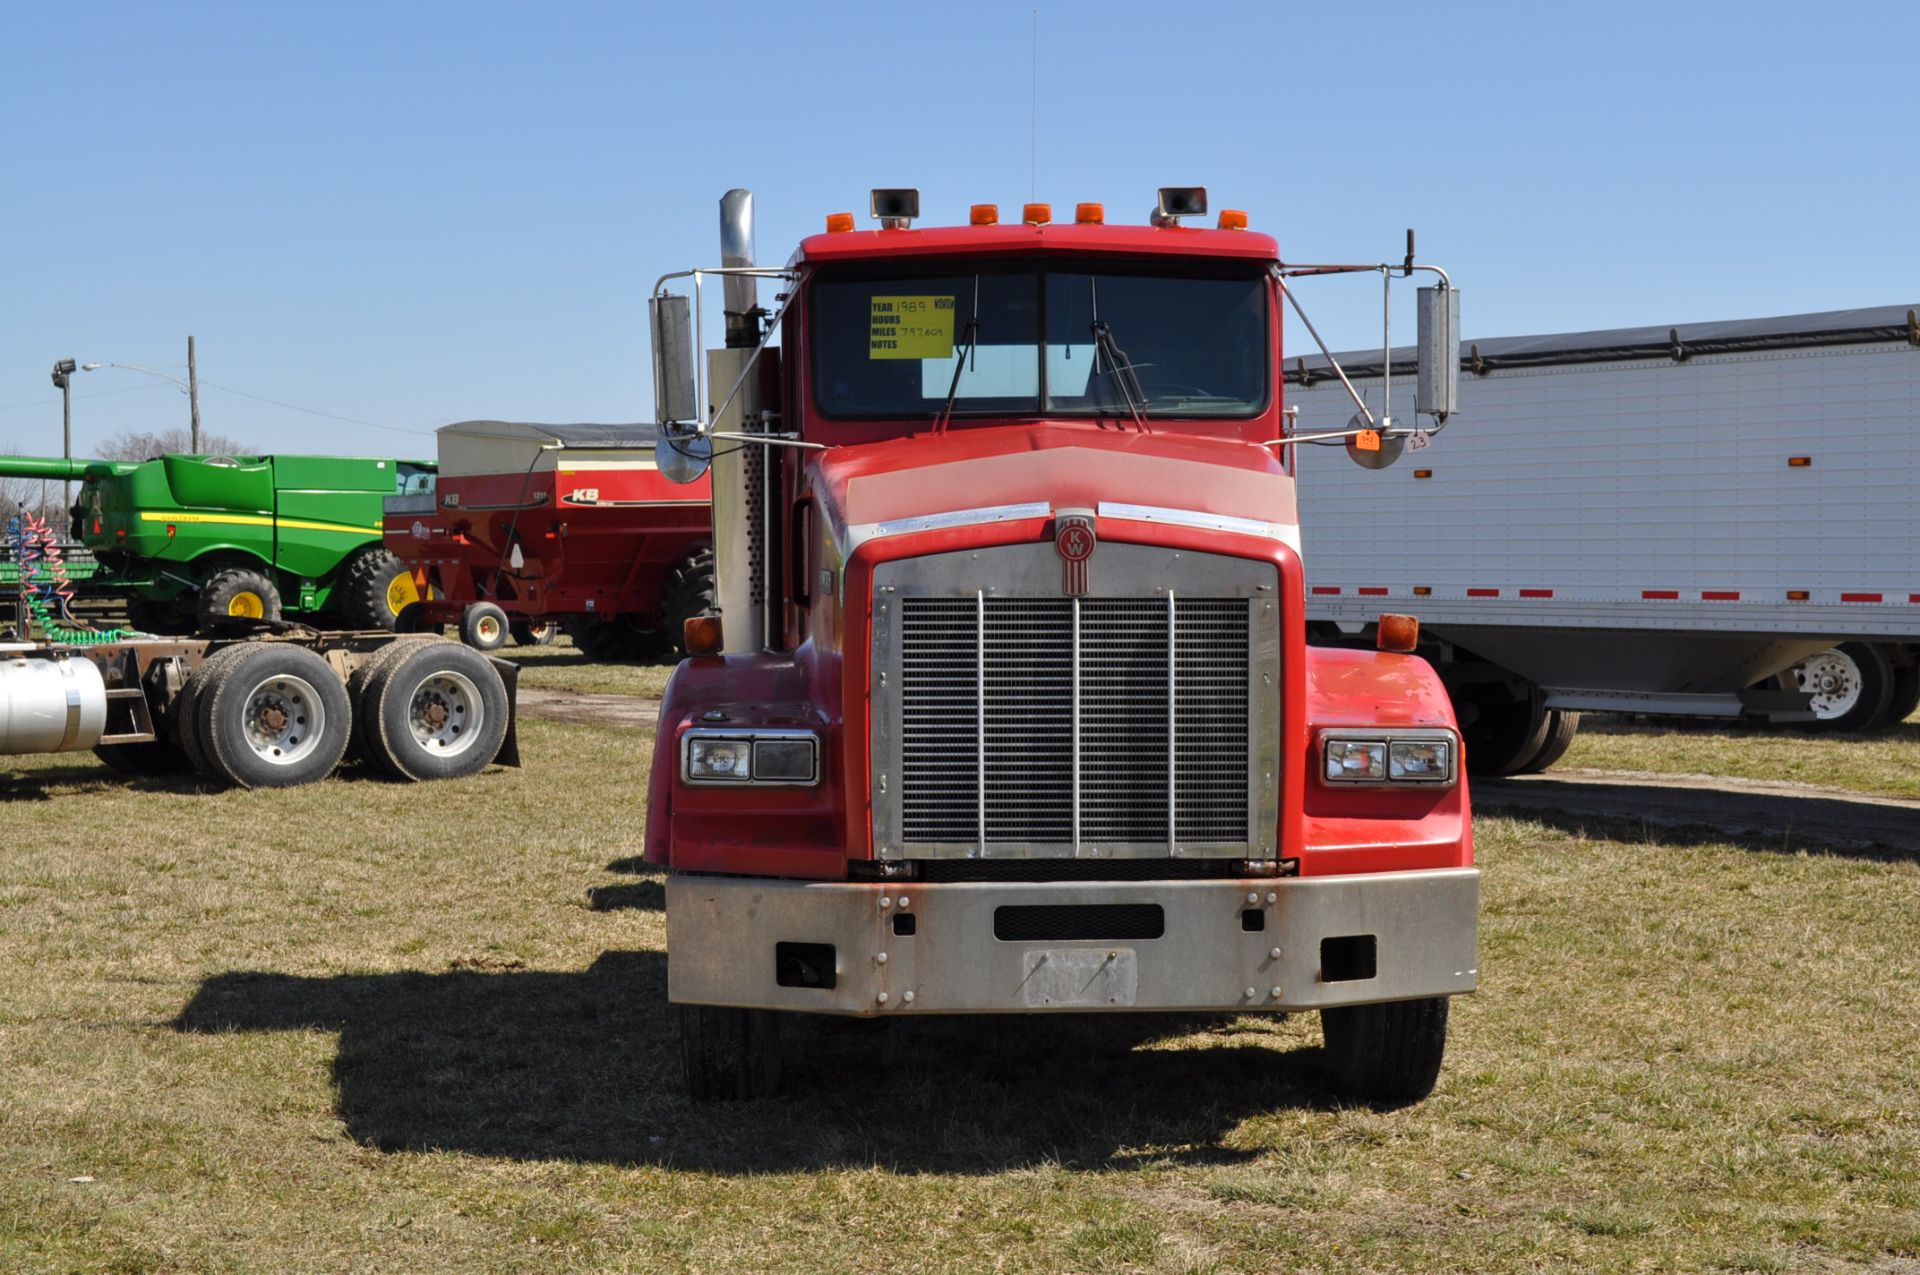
(202,543)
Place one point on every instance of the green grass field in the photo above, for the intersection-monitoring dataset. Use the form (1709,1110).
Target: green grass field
(367,1027)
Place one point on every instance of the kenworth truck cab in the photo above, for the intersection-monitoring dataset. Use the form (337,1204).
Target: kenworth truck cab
(1008,706)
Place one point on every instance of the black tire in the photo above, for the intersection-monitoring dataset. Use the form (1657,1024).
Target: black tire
(438,710)
(145,761)
(534,632)
(1852,686)
(1562,726)
(374,589)
(364,709)
(484,626)
(621,640)
(185,716)
(237,596)
(1906,694)
(1502,735)
(162,619)
(276,716)
(730,1055)
(1386,1055)
(690,592)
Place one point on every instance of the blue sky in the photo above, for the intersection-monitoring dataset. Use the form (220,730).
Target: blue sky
(417,213)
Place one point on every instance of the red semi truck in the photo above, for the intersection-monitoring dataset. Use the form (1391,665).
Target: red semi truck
(1008,706)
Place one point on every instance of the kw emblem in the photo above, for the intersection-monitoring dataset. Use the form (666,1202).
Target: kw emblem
(1073,537)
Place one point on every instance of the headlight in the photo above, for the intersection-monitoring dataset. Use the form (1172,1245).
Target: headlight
(1389,759)
(770,756)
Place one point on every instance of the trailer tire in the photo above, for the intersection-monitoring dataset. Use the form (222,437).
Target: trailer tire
(1906,694)
(374,590)
(730,1055)
(237,596)
(186,710)
(1851,684)
(534,632)
(361,678)
(483,626)
(1562,726)
(1385,1055)
(153,758)
(1504,735)
(690,592)
(276,716)
(438,710)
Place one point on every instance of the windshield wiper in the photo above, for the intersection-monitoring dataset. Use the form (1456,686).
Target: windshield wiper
(1120,367)
(968,336)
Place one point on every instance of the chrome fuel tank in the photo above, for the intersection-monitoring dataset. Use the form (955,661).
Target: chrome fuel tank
(50,705)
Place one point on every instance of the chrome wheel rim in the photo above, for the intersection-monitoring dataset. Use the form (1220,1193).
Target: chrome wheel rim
(285,720)
(1834,682)
(446,713)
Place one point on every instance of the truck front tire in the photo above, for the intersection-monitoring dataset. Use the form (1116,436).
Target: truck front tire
(731,1055)
(1386,1055)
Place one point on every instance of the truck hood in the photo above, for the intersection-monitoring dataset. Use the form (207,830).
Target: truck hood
(874,488)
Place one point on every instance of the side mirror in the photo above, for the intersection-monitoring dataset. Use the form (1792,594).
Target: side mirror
(1438,389)
(1375,448)
(682,456)
(671,318)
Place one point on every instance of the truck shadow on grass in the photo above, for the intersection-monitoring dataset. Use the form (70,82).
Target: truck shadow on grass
(584,1066)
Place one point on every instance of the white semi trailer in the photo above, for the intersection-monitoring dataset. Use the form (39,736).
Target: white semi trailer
(1713,519)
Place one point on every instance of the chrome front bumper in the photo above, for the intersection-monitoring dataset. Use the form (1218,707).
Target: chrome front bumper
(1241,945)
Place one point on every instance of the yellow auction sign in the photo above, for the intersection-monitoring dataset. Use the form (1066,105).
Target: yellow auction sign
(911,328)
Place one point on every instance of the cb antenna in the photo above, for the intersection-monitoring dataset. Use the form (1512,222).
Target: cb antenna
(1033,116)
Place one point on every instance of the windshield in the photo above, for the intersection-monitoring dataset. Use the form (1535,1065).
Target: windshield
(1060,342)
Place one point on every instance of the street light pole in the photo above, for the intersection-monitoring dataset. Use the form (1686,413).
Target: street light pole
(63,377)
(193,393)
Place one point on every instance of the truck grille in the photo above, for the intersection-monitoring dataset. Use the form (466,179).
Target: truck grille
(1087,724)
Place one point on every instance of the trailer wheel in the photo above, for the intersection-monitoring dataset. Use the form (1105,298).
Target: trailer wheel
(145,761)
(186,715)
(690,592)
(483,626)
(374,589)
(1562,726)
(1386,1055)
(1502,735)
(1906,694)
(730,1054)
(275,717)
(1851,685)
(534,632)
(438,710)
(358,681)
(237,595)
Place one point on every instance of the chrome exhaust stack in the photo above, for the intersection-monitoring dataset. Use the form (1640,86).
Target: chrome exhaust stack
(739,472)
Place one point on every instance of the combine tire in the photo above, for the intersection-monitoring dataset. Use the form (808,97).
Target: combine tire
(1504,735)
(273,717)
(162,619)
(1852,686)
(534,632)
(621,640)
(1385,1055)
(483,626)
(690,593)
(374,589)
(1561,728)
(237,595)
(436,710)
(730,1054)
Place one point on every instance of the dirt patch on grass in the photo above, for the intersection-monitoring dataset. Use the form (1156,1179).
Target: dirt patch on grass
(635,712)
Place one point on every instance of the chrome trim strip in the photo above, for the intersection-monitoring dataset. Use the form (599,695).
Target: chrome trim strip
(1188,518)
(860,533)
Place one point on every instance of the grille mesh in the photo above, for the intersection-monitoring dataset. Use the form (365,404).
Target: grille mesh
(990,682)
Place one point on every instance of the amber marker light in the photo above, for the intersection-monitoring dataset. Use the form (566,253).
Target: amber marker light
(1397,633)
(839,223)
(984,215)
(1422,590)
(1798,595)
(1232,219)
(1799,462)
(1036,214)
(1090,214)
(1423,473)
(703,634)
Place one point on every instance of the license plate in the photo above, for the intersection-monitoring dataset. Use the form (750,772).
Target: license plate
(1059,977)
